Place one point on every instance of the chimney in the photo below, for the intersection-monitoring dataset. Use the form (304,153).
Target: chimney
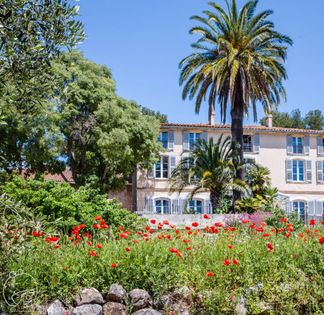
(269,121)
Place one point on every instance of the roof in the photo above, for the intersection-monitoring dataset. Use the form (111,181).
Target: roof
(257,128)
(63,177)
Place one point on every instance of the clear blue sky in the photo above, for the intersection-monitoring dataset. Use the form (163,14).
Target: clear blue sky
(142,42)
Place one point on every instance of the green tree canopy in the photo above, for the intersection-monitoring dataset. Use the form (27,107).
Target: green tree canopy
(314,120)
(238,61)
(105,136)
(210,166)
(32,34)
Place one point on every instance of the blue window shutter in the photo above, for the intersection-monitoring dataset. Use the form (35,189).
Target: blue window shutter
(320,149)
(289,170)
(171,140)
(319,169)
(186,141)
(172,164)
(150,172)
(204,136)
(289,145)
(311,208)
(306,145)
(319,209)
(256,143)
(309,171)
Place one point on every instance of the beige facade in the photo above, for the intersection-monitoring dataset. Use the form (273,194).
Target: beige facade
(294,157)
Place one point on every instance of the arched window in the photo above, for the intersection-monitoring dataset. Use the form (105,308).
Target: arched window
(162,206)
(196,206)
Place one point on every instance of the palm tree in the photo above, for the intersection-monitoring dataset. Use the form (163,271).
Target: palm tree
(209,167)
(238,60)
(258,178)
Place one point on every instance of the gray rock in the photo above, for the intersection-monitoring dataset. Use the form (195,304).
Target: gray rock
(112,308)
(56,308)
(88,309)
(88,296)
(240,308)
(183,294)
(116,293)
(147,311)
(139,299)
(255,289)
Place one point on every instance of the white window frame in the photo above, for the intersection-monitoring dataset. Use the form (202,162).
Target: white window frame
(294,209)
(162,168)
(249,145)
(298,171)
(162,199)
(195,200)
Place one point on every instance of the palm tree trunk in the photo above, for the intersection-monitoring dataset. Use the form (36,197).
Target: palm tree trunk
(211,115)
(215,197)
(237,137)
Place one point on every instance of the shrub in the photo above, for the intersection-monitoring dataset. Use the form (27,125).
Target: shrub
(63,206)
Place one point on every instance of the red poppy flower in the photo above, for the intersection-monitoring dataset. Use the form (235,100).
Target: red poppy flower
(321,240)
(166,222)
(244,221)
(186,241)
(35,234)
(290,228)
(52,239)
(89,243)
(287,235)
(113,265)
(57,246)
(41,233)
(230,246)
(98,218)
(153,221)
(99,245)
(127,249)
(210,274)
(96,226)
(81,226)
(235,262)
(195,224)
(188,228)
(227,262)
(172,226)
(92,253)
(260,229)
(207,216)
(173,250)
(283,220)
(123,235)
(312,222)
(179,254)
(177,232)
(189,248)
(281,230)
(265,235)
(269,247)
(219,224)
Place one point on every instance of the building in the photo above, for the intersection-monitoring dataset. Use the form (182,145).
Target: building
(294,157)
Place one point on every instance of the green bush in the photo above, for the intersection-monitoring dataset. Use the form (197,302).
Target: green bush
(64,206)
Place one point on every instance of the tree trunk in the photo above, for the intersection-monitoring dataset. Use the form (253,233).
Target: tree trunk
(211,115)
(215,197)
(237,113)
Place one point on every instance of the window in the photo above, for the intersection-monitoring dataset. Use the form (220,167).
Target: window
(163,138)
(299,207)
(247,143)
(162,168)
(298,169)
(193,139)
(162,206)
(320,146)
(297,144)
(195,206)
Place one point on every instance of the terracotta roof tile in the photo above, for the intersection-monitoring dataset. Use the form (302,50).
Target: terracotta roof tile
(246,127)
